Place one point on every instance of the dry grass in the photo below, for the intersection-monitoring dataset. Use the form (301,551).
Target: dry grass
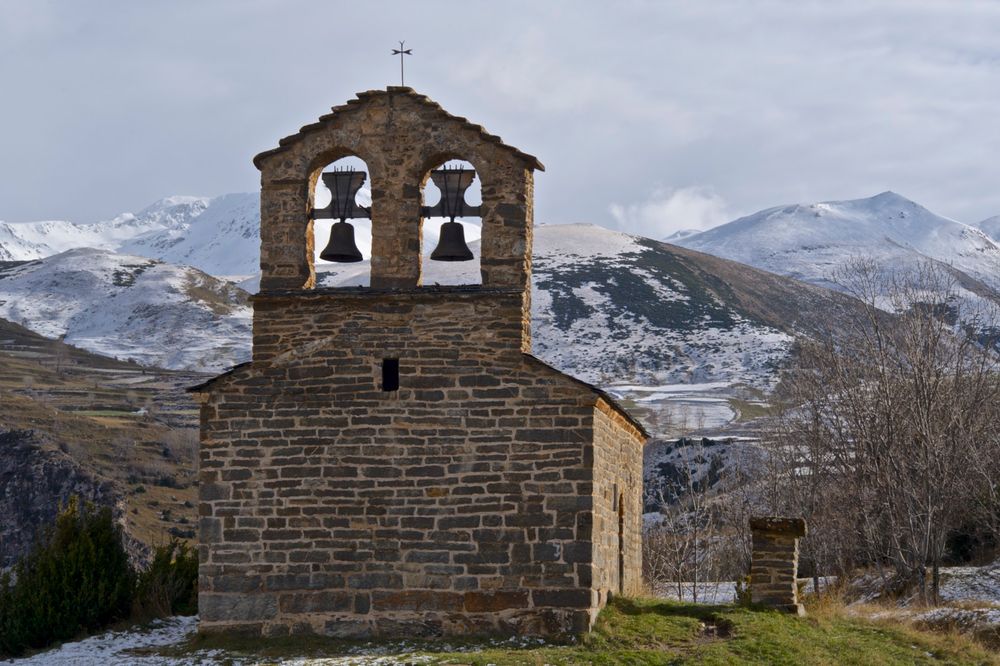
(90,408)
(906,621)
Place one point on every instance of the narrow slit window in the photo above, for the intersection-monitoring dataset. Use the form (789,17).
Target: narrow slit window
(390,374)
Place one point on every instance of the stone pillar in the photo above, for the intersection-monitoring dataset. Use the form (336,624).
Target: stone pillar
(775,564)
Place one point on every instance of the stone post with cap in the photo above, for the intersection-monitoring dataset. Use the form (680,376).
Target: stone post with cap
(775,562)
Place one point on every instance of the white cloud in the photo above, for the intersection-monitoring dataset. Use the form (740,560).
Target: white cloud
(668,210)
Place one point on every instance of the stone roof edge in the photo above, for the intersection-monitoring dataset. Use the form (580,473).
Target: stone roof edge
(410,92)
(207,384)
(601,393)
(363,292)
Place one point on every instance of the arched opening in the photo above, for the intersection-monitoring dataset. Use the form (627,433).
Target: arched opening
(441,208)
(331,199)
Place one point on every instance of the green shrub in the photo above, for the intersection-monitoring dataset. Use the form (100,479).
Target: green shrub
(77,579)
(170,585)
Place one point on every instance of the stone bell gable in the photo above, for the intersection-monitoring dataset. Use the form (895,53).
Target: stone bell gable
(393,460)
(401,136)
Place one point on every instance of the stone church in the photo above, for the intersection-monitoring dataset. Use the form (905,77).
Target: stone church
(393,460)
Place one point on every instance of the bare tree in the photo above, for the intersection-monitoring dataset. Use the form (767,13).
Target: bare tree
(690,544)
(889,435)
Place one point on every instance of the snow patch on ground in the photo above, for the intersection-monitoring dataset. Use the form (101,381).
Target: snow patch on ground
(976,584)
(134,646)
(965,585)
(109,648)
(715,592)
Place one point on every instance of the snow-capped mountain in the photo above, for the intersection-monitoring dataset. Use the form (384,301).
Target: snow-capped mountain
(610,307)
(992,228)
(130,307)
(23,241)
(813,241)
(220,235)
(607,306)
(222,239)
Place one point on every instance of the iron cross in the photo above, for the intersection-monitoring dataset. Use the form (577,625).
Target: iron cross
(401,52)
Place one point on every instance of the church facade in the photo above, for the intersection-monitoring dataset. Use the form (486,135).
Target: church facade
(393,460)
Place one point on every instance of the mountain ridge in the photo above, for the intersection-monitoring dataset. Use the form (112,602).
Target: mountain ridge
(991,227)
(607,306)
(813,241)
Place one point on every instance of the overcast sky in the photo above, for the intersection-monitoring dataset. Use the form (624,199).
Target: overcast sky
(649,116)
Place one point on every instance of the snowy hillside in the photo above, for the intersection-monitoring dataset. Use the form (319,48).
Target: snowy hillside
(130,307)
(612,307)
(812,241)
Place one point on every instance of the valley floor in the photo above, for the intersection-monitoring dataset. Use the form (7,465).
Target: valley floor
(630,631)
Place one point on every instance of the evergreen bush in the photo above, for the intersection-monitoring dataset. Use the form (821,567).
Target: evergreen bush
(170,585)
(77,579)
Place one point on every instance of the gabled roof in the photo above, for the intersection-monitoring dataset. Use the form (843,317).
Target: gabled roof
(364,97)
(206,385)
(607,397)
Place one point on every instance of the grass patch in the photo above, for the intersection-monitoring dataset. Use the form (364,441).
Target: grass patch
(628,403)
(749,410)
(646,632)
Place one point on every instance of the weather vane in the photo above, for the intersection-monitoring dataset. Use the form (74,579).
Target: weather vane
(401,52)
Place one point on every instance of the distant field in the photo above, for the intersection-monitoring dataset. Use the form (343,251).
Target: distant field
(135,427)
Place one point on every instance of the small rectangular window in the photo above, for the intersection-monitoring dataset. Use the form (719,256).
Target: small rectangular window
(390,374)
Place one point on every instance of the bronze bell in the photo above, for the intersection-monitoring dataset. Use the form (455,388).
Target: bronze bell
(451,245)
(341,248)
(453,183)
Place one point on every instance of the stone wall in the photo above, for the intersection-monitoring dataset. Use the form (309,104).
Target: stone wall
(401,136)
(331,326)
(775,562)
(460,503)
(617,505)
